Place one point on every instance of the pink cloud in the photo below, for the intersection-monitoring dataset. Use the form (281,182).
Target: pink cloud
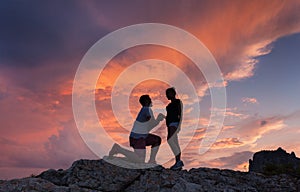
(233,161)
(250,132)
(250,100)
(227,143)
(58,151)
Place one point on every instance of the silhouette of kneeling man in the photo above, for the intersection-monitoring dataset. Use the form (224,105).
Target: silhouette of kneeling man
(140,137)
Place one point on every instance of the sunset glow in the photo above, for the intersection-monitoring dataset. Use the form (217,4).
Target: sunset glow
(254,43)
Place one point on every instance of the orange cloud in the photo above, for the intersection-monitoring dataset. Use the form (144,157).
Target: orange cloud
(243,28)
(243,166)
(225,127)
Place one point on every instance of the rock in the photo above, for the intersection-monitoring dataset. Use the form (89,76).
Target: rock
(275,162)
(30,184)
(55,177)
(183,185)
(99,175)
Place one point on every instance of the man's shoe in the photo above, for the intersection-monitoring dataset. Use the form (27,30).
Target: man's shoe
(177,166)
(114,150)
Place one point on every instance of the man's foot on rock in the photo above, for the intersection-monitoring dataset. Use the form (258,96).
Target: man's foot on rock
(177,166)
(114,150)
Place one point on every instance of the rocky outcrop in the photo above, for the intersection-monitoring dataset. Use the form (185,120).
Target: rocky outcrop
(275,162)
(98,175)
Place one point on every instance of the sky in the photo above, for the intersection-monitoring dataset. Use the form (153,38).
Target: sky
(254,43)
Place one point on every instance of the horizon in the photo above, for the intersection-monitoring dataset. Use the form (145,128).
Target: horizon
(254,43)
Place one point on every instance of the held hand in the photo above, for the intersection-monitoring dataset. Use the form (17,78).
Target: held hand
(160,117)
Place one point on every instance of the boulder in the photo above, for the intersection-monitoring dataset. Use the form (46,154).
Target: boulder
(275,162)
(100,175)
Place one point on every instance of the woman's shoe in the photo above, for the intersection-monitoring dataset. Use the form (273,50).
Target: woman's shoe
(177,166)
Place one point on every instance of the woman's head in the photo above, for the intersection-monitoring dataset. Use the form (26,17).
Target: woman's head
(170,93)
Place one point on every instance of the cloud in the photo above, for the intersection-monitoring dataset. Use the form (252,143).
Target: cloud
(245,38)
(250,100)
(233,161)
(34,35)
(59,151)
(251,131)
(30,120)
(227,143)
(67,145)
(231,113)
(245,71)
(293,115)
(234,113)
(236,50)
(251,134)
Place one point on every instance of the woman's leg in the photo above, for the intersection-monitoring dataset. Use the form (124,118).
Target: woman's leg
(173,142)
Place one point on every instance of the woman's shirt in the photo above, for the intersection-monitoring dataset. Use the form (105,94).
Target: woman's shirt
(173,112)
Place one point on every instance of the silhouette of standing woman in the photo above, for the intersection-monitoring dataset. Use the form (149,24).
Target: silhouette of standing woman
(173,121)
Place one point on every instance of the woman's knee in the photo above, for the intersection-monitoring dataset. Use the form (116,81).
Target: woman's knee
(172,138)
(170,141)
(172,132)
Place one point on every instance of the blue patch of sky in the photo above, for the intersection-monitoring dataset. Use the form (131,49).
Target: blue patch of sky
(276,81)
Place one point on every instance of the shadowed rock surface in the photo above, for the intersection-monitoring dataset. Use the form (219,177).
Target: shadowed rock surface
(99,175)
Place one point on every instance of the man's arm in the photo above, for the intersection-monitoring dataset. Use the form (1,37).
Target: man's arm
(154,122)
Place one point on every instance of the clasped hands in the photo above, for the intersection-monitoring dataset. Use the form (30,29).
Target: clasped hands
(160,117)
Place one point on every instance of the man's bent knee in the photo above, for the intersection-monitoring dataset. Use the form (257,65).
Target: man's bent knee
(157,142)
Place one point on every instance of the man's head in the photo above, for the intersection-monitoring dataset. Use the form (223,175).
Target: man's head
(145,100)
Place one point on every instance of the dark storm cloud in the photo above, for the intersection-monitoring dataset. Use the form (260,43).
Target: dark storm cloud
(263,122)
(33,32)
